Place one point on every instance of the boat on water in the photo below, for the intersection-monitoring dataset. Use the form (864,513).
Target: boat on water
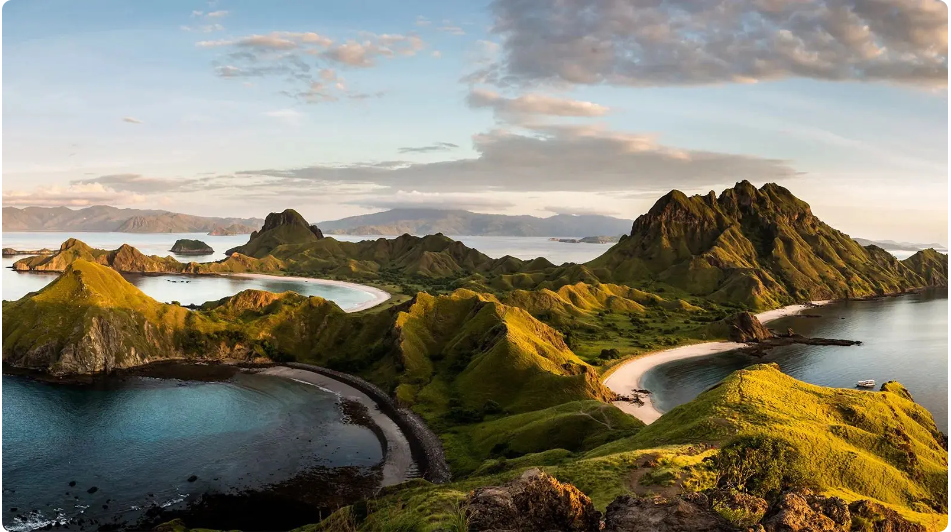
(866,384)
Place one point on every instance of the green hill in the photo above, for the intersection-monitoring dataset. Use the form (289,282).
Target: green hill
(759,247)
(287,227)
(931,265)
(89,320)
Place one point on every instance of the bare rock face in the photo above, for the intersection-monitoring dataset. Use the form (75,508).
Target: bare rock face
(881,519)
(805,512)
(689,512)
(535,501)
(745,327)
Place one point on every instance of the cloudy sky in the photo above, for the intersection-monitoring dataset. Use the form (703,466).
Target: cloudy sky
(535,107)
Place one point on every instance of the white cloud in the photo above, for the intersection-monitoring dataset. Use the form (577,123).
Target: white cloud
(74,195)
(131,120)
(526,105)
(217,14)
(287,116)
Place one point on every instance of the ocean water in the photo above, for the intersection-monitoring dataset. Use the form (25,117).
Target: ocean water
(199,289)
(139,440)
(903,339)
(186,289)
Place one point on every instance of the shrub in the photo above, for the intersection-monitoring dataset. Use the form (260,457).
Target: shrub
(609,354)
(759,465)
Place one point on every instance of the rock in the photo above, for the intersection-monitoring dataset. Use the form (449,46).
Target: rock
(741,509)
(873,516)
(14,509)
(93,489)
(72,483)
(192,478)
(185,246)
(793,513)
(689,512)
(535,501)
(745,327)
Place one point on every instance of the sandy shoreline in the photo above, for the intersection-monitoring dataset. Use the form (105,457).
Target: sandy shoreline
(629,374)
(398,463)
(379,296)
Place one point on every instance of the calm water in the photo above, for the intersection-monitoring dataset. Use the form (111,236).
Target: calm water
(167,288)
(903,338)
(200,289)
(139,441)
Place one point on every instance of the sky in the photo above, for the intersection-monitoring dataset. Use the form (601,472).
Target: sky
(542,107)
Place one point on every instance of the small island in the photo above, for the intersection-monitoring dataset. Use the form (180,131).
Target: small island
(185,246)
(588,240)
(11,252)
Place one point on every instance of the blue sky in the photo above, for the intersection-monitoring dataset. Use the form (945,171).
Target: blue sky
(342,108)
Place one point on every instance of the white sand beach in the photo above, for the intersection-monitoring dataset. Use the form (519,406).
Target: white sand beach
(628,376)
(379,296)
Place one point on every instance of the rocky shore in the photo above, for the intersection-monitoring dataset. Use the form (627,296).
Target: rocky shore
(424,443)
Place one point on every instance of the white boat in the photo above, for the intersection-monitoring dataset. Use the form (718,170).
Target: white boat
(866,384)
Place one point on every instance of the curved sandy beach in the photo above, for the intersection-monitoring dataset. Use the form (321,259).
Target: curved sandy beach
(379,296)
(628,375)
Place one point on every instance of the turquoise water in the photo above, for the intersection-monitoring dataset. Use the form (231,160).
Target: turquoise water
(138,441)
(903,338)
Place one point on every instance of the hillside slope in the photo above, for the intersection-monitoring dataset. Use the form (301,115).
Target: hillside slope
(760,247)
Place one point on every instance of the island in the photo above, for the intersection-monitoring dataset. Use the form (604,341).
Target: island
(588,240)
(11,252)
(231,230)
(508,362)
(186,246)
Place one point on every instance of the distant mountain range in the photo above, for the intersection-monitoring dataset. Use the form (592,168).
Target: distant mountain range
(891,245)
(465,223)
(102,218)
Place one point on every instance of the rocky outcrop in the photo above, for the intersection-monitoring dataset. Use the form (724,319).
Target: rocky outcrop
(535,501)
(745,327)
(804,511)
(186,246)
(868,515)
(690,512)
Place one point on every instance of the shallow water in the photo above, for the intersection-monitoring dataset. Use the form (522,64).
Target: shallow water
(139,440)
(903,338)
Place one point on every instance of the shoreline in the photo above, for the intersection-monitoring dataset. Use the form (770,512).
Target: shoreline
(628,375)
(398,463)
(379,296)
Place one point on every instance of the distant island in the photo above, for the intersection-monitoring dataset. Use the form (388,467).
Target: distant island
(185,246)
(103,218)
(588,240)
(11,252)
(231,230)
(900,246)
(396,222)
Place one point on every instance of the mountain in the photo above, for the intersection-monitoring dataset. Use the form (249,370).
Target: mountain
(931,265)
(891,245)
(460,222)
(287,227)
(102,218)
(89,320)
(762,248)
(233,229)
(124,259)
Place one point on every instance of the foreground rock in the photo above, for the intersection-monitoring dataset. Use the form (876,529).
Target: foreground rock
(745,327)
(535,501)
(691,512)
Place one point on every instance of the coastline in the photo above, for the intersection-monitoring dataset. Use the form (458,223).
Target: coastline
(628,375)
(379,296)
(398,462)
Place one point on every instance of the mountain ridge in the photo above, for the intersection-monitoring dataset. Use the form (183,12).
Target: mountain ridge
(395,222)
(104,218)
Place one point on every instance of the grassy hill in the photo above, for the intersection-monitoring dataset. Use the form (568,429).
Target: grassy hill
(775,432)
(760,247)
